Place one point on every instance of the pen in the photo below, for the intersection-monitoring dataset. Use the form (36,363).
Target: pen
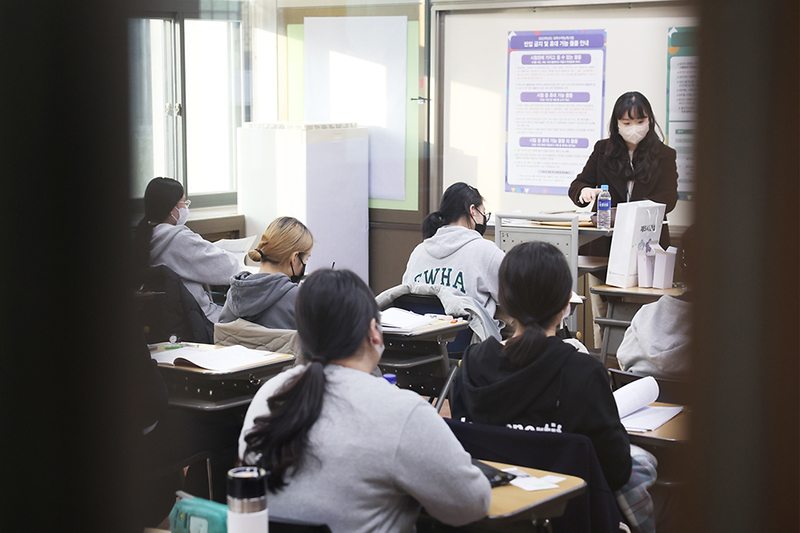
(333,265)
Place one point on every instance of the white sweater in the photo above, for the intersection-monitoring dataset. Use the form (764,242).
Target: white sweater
(376,454)
(197,262)
(459,258)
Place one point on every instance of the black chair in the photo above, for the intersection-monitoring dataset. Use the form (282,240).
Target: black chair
(166,307)
(595,510)
(669,390)
(286,525)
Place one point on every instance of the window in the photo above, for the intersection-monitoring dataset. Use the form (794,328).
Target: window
(187,99)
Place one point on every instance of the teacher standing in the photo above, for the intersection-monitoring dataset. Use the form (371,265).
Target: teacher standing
(636,165)
(634,162)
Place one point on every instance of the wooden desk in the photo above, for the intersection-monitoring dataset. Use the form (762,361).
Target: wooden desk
(513,509)
(591,264)
(622,305)
(214,390)
(674,432)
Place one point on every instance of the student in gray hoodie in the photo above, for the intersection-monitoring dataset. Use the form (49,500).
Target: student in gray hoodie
(267,298)
(454,252)
(162,238)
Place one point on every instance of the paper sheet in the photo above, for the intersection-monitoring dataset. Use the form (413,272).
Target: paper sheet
(402,321)
(636,395)
(650,417)
(530,483)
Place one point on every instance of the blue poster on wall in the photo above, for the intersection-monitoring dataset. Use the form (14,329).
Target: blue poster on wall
(554,107)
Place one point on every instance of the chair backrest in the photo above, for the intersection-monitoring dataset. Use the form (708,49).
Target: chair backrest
(166,307)
(596,510)
(286,525)
(426,303)
(669,390)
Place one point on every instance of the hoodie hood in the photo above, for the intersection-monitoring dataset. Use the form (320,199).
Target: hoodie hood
(449,240)
(495,391)
(253,294)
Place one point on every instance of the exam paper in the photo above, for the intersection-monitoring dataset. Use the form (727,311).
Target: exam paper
(650,417)
(530,483)
(636,395)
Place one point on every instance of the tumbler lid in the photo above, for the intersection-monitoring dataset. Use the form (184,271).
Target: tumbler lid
(247,482)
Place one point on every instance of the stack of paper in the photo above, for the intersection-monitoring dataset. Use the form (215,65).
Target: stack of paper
(635,412)
(396,320)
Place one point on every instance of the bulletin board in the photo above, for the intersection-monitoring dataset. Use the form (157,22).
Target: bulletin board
(470,69)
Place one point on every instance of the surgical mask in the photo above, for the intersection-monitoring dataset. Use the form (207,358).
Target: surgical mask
(379,347)
(634,133)
(481,228)
(297,277)
(183,216)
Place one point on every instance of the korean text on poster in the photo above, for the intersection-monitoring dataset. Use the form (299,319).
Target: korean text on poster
(554,114)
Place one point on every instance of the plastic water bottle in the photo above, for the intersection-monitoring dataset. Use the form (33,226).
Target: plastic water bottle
(604,208)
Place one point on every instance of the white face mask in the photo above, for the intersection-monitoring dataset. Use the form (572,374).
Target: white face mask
(634,133)
(379,347)
(183,216)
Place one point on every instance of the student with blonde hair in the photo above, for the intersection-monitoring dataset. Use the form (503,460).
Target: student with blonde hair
(267,297)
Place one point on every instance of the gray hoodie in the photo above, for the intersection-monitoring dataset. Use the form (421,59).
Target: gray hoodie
(265,299)
(459,258)
(657,341)
(197,261)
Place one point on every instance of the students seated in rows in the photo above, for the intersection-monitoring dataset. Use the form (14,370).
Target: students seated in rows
(267,298)
(538,382)
(657,342)
(162,238)
(346,448)
(454,252)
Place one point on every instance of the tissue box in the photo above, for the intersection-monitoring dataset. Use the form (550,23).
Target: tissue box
(664,268)
(647,262)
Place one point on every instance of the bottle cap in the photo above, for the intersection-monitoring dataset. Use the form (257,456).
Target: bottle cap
(604,187)
(247,482)
(391,378)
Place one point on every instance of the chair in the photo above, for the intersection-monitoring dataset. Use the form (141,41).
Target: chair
(166,308)
(669,390)
(596,510)
(286,525)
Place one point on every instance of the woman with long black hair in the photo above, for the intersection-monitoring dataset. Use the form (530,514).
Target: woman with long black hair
(343,447)
(633,161)
(162,238)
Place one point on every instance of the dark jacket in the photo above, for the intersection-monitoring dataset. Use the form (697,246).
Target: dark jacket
(562,390)
(265,299)
(662,186)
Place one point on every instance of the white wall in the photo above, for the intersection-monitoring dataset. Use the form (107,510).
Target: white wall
(475,67)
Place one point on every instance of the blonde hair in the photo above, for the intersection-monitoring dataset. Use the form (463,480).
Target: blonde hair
(283,237)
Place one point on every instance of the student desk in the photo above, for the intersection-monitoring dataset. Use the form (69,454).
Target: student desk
(674,432)
(215,390)
(513,509)
(414,357)
(622,305)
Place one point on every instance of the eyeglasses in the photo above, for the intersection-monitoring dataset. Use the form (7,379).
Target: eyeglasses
(486,214)
(186,203)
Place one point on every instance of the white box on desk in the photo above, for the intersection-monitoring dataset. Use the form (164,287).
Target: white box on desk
(664,268)
(647,263)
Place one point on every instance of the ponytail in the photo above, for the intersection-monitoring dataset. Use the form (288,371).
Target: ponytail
(455,204)
(281,438)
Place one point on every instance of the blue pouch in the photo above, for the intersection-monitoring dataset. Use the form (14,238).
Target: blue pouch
(197,515)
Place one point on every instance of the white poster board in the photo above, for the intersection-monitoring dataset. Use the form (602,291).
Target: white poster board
(355,71)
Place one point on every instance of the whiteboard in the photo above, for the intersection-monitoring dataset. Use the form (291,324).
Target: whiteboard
(473,101)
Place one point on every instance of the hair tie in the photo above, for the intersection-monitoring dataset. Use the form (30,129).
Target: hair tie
(263,257)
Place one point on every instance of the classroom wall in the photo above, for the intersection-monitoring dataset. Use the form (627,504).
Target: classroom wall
(475,69)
